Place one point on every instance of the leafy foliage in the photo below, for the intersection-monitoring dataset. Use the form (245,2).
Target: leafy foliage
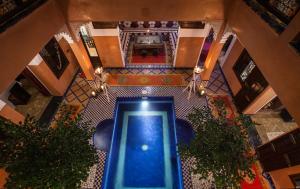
(45,157)
(220,146)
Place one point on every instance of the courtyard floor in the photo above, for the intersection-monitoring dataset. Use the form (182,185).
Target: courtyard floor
(97,109)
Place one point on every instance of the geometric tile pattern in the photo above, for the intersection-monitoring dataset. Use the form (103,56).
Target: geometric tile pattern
(98,109)
(187,73)
(79,93)
(100,169)
(217,83)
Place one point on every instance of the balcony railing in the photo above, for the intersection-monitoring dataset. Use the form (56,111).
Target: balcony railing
(277,13)
(11,11)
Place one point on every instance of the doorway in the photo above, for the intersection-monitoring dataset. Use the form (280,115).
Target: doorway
(29,95)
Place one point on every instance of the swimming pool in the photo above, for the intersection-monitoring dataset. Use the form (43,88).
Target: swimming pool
(143,152)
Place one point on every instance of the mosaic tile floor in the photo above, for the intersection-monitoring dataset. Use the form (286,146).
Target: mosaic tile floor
(98,109)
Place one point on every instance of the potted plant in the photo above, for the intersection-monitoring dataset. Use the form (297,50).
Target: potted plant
(220,146)
(46,157)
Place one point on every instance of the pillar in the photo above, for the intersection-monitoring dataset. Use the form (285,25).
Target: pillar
(214,53)
(108,45)
(189,46)
(79,51)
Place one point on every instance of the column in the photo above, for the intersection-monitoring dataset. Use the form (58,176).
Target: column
(189,45)
(79,51)
(108,44)
(214,52)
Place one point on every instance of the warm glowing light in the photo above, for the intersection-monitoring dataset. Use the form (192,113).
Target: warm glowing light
(202,92)
(98,70)
(93,93)
(144,92)
(145,104)
(198,69)
(145,147)
(102,87)
(148,30)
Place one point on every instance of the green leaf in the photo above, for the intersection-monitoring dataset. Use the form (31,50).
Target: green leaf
(40,157)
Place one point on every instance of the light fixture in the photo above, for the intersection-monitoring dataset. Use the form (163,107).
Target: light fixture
(201,90)
(98,70)
(191,87)
(145,104)
(99,84)
(93,93)
(198,70)
(148,30)
(145,147)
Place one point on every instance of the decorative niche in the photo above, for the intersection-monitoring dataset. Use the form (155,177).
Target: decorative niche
(54,57)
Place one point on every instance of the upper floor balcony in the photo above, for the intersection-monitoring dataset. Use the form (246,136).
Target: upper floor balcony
(277,13)
(13,10)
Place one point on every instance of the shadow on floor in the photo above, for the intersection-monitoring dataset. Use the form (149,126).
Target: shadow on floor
(103,134)
(184,131)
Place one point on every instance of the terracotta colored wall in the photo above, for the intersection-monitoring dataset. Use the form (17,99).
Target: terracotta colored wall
(278,62)
(188,51)
(22,41)
(116,10)
(109,50)
(227,68)
(3,176)
(281,177)
(11,114)
(56,86)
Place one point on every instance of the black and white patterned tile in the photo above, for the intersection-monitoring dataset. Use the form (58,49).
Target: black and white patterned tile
(99,109)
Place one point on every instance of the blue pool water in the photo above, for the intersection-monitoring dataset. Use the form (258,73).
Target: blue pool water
(143,151)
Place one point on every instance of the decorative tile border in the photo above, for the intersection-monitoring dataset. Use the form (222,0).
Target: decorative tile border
(98,109)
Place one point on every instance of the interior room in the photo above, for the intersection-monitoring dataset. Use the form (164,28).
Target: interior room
(150,94)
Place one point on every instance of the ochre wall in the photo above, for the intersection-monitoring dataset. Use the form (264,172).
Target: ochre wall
(3,176)
(278,62)
(22,41)
(188,51)
(281,177)
(107,10)
(227,68)
(11,114)
(109,51)
(57,87)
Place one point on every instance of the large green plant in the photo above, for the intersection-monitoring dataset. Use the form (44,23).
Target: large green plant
(220,146)
(42,157)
